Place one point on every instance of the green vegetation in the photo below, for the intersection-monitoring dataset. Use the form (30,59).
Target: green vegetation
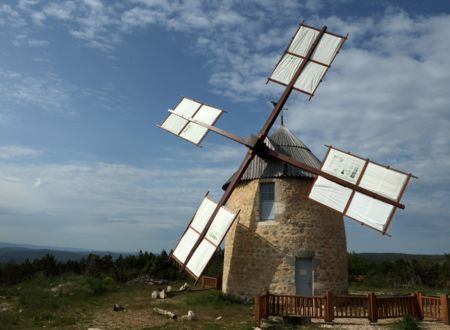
(55,302)
(80,302)
(80,294)
(406,323)
(121,269)
(415,274)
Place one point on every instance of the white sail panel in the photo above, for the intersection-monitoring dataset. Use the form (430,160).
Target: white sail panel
(330,194)
(200,258)
(193,132)
(207,114)
(187,107)
(203,214)
(285,70)
(303,40)
(220,226)
(370,211)
(174,124)
(344,166)
(185,245)
(383,181)
(310,77)
(327,48)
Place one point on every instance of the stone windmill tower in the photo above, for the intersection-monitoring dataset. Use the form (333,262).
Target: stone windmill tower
(282,241)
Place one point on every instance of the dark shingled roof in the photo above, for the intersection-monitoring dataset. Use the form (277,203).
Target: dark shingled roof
(283,141)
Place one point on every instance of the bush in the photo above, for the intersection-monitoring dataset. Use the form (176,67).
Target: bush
(407,323)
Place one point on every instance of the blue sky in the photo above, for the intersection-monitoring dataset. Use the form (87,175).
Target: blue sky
(83,84)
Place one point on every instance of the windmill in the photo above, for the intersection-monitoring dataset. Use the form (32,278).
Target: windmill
(361,189)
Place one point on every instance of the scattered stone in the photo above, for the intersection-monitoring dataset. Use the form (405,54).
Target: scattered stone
(166,313)
(94,329)
(219,318)
(56,289)
(155,294)
(189,317)
(169,288)
(184,287)
(162,294)
(118,308)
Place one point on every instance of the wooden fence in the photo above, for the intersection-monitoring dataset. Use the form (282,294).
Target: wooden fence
(212,282)
(371,307)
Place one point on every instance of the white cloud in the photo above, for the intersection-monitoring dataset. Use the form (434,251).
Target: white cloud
(62,10)
(23,40)
(80,198)
(46,92)
(94,4)
(14,152)
(38,182)
(10,17)
(38,43)
(137,17)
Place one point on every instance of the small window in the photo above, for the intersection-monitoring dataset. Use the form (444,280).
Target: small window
(267,201)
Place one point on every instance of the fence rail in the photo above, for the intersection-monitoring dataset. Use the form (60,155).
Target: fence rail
(372,307)
(351,307)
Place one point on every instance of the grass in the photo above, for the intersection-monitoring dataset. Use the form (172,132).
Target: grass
(208,305)
(57,302)
(356,288)
(80,302)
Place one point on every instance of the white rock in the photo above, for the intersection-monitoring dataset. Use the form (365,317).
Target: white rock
(184,287)
(189,317)
(169,288)
(218,318)
(155,294)
(162,294)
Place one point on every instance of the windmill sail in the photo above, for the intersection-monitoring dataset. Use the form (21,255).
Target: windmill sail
(179,124)
(380,180)
(316,65)
(209,244)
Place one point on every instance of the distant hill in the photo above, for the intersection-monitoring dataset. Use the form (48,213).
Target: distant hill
(19,253)
(41,247)
(380,257)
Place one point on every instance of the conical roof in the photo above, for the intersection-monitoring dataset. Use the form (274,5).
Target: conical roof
(283,141)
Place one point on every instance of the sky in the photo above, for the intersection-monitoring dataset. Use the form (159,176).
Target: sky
(83,84)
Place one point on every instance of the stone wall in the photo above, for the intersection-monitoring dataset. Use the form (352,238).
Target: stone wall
(261,255)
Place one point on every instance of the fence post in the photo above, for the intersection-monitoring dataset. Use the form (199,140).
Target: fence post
(445,309)
(372,307)
(419,305)
(219,282)
(266,305)
(257,311)
(329,307)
